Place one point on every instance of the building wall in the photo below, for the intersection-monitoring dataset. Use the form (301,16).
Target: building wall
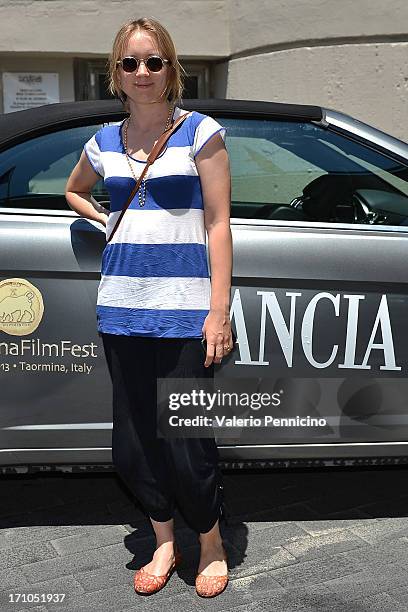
(47,35)
(28,63)
(87,27)
(367,81)
(350,55)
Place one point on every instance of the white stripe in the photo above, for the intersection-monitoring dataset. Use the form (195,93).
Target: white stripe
(183,225)
(178,111)
(174,161)
(205,129)
(162,293)
(94,153)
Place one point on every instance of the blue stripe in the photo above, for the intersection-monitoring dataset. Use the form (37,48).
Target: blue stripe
(174,191)
(112,139)
(155,260)
(195,119)
(98,138)
(151,323)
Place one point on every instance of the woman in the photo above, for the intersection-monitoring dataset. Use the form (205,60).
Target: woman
(155,299)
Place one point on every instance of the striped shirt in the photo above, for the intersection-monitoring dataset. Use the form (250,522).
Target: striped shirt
(154,272)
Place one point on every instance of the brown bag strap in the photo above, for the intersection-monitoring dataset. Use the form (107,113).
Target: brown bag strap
(154,153)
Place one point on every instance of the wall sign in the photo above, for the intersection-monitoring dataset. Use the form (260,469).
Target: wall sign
(28,89)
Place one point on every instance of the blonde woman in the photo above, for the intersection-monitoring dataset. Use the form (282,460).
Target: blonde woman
(156,299)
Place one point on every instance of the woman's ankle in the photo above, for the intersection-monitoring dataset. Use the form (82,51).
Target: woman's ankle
(211,544)
(167,541)
(211,538)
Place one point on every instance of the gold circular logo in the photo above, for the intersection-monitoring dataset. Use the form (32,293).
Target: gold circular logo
(21,307)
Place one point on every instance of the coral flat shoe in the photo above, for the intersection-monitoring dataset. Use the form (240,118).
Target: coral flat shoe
(147,584)
(210,586)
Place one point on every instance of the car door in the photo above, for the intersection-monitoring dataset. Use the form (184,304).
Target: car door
(55,400)
(319,298)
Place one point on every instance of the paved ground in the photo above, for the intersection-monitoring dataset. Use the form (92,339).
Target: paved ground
(330,540)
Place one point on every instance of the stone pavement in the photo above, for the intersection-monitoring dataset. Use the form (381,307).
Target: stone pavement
(323,540)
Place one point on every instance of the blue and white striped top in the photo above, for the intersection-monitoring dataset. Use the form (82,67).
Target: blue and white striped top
(154,273)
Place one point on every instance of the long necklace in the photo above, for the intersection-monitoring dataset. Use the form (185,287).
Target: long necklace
(142,190)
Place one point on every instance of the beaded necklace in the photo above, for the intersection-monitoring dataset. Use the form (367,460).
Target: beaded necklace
(142,190)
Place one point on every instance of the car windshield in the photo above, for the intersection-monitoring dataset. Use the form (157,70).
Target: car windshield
(280,169)
(33,174)
(281,157)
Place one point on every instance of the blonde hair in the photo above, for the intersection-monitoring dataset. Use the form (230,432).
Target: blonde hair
(167,49)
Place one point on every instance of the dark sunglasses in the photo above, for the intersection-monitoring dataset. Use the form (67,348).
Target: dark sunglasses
(154,63)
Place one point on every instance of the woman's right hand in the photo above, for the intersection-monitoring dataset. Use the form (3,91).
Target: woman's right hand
(103,218)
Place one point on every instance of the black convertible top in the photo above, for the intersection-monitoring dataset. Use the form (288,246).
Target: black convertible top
(16,126)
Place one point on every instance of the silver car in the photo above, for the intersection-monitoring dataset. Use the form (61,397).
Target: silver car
(319,295)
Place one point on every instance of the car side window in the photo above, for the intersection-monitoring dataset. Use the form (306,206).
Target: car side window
(33,174)
(299,171)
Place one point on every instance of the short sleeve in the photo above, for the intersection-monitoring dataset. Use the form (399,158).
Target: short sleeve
(204,131)
(92,150)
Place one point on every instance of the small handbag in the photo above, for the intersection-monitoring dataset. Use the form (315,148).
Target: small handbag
(154,153)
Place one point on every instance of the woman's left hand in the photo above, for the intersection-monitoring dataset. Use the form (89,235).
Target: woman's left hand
(217,332)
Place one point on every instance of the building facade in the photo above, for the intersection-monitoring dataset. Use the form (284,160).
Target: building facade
(350,56)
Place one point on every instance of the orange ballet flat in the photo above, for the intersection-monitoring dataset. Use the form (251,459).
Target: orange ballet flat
(147,584)
(210,586)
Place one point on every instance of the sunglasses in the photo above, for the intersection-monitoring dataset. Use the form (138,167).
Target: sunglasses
(154,63)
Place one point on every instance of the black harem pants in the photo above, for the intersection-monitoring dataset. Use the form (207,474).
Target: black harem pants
(161,472)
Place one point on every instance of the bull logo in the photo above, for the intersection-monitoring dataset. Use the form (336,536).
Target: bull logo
(21,307)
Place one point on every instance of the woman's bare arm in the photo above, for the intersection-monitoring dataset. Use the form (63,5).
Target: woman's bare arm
(214,171)
(78,191)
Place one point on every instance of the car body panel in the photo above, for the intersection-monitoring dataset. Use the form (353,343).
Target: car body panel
(302,293)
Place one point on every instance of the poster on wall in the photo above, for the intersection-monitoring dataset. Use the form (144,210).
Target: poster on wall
(28,89)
